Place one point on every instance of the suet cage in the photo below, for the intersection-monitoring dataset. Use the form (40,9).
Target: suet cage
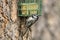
(29,7)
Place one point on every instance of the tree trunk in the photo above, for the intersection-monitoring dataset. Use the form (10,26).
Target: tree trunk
(9,21)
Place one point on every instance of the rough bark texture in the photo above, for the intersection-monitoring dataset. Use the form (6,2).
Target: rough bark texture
(10,28)
(46,28)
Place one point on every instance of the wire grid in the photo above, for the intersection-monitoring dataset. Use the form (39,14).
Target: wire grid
(27,3)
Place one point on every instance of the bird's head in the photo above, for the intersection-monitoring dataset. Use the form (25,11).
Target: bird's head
(35,16)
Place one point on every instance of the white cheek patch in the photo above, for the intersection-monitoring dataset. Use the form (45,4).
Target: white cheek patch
(29,19)
(35,16)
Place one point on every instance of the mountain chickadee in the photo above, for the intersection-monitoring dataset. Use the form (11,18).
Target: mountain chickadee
(31,20)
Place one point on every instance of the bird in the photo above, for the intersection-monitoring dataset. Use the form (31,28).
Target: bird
(31,20)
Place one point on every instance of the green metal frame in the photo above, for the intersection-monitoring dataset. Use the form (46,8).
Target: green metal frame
(27,2)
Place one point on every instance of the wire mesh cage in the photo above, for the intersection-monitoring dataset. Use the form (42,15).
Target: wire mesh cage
(29,7)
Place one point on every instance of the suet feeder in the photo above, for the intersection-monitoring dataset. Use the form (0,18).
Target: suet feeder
(29,7)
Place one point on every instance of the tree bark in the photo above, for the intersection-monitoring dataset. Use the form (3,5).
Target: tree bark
(10,28)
